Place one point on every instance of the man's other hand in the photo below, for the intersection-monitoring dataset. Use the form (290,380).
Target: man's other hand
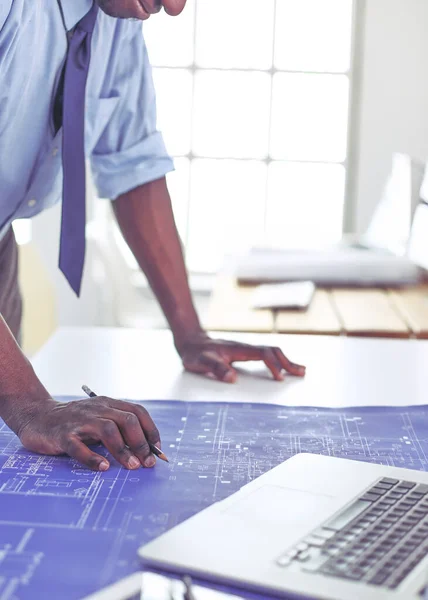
(68,427)
(215,358)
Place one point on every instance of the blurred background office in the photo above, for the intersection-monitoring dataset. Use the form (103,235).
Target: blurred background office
(283,119)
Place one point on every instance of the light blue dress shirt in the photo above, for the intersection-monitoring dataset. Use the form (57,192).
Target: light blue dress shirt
(122,143)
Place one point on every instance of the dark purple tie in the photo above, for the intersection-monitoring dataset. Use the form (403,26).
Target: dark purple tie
(73,221)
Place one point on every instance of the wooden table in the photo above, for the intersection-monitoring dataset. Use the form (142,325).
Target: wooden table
(353,312)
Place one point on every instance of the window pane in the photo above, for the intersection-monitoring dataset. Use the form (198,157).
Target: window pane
(170,40)
(231,114)
(178,185)
(227,210)
(305,204)
(234,33)
(174,104)
(309,117)
(313,35)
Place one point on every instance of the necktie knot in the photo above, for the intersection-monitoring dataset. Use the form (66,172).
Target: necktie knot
(87,24)
(80,45)
(80,49)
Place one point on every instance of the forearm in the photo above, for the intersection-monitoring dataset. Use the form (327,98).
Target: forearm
(20,388)
(147,223)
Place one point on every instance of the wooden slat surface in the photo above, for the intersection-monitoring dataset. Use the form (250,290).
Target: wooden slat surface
(320,318)
(230,309)
(368,313)
(413,306)
(365,312)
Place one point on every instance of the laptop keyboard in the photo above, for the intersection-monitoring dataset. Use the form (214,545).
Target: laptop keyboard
(379,539)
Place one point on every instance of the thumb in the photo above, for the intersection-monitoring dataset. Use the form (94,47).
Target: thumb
(219,367)
(209,363)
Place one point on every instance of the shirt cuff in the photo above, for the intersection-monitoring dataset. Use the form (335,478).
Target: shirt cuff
(119,172)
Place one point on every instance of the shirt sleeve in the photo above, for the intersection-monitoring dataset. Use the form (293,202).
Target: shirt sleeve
(5,8)
(130,151)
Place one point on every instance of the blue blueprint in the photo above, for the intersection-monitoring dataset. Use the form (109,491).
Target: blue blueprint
(66,531)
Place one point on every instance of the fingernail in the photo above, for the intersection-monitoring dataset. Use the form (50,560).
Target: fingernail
(150,461)
(134,463)
(103,466)
(229,377)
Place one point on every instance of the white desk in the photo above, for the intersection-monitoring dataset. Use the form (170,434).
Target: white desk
(140,364)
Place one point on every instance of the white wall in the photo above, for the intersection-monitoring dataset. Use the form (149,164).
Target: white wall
(393,97)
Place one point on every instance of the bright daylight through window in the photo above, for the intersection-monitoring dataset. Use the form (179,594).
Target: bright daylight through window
(253,102)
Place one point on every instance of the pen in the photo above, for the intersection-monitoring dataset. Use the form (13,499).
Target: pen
(188,584)
(155,450)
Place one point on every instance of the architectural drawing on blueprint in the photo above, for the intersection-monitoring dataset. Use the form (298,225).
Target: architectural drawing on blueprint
(80,530)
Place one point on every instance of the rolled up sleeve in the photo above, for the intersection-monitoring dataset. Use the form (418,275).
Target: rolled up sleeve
(130,151)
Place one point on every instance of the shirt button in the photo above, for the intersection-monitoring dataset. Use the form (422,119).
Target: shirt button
(32,202)
(54,151)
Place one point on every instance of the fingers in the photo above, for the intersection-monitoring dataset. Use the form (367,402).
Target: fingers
(218,363)
(272,362)
(292,368)
(272,357)
(111,437)
(133,435)
(151,6)
(146,422)
(276,362)
(218,367)
(174,7)
(246,352)
(210,363)
(124,428)
(80,452)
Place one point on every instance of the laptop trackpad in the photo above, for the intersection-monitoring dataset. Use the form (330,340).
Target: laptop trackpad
(274,505)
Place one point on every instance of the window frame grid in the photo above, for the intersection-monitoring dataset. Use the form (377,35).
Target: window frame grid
(353,76)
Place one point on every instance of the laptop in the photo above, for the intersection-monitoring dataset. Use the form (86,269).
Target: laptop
(390,225)
(314,527)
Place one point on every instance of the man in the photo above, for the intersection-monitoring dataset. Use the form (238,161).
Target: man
(102,48)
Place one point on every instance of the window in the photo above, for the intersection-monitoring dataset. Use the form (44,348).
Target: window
(253,101)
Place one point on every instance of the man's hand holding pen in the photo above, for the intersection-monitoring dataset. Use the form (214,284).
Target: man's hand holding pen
(124,428)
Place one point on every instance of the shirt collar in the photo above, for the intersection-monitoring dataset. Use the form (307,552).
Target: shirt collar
(74,11)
